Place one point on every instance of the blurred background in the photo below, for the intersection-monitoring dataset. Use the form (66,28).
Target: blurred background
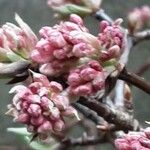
(37,14)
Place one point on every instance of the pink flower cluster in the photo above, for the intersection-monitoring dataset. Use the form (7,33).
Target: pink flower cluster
(21,39)
(87,79)
(60,46)
(111,38)
(138,17)
(111,35)
(41,106)
(134,141)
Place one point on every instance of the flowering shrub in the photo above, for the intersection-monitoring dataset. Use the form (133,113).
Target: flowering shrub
(68,69)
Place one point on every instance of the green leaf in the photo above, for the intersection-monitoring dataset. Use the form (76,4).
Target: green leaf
(19,131)
(68,9)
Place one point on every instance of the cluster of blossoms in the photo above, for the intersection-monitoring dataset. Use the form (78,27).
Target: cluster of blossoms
(41,106)
(134,141)
(138,17)
(111,39)
(69,49)
(86,79)
(62,45)
(20,40)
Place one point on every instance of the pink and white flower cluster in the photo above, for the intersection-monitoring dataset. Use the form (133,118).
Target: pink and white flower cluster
(134,141)
(138,17)
(62,45)
(20,39)
(111,38)
(87,79)
(41,106)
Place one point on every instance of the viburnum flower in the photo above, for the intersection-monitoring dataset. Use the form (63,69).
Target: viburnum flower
(81,7)
(41,106)
(86,79)
(134,140)
(138,17)
(61,46)
(111,38)
(20,40)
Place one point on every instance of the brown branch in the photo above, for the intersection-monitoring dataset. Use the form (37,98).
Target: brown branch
(88,113)
(82,141)
(12,69)
(145,67)
(122,120)
(135,80)
(141,36)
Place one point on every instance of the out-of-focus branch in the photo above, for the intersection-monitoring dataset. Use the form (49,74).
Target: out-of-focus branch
(101,15)
(82,141)
(141,36)
(12,69)
(145,67)
(135,80)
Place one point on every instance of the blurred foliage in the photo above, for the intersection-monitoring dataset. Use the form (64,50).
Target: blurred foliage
(37,14)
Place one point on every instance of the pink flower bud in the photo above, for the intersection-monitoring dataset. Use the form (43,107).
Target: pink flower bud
(74,79)
(76,19)
(88,74)
(122,144)
(56,87)
(34,110)
(55,113)
(60,102)
(23,118)
(59,126)
(37,77)
(37,121)
(45,127)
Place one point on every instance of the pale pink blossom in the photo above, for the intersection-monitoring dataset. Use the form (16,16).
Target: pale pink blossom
(87,79)
(62,45)
(41,106)
(138,17)
(134,140)
(20,39)
(111,35)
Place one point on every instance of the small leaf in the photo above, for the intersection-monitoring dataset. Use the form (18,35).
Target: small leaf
(68,9)
(19,131)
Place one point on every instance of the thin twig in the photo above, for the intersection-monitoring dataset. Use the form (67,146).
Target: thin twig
(82,141)
(101,15)
(141,36)
(89,113)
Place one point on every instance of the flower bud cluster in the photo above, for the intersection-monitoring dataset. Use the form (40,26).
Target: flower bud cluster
(87,79)
(138,17)
(134,140)
(41,106)
(111,38)
(21,39)
(60,46)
